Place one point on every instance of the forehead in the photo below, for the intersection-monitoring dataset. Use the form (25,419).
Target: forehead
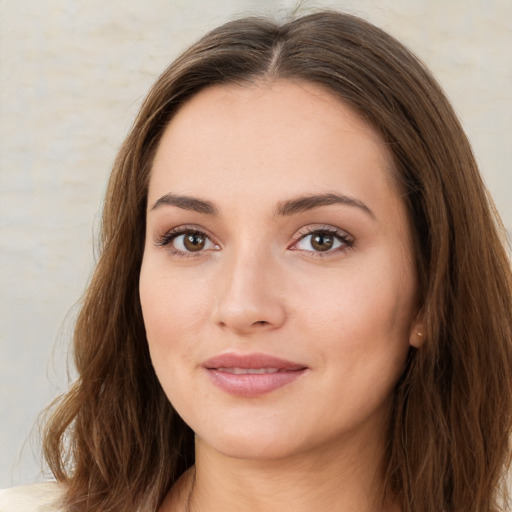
(263,140)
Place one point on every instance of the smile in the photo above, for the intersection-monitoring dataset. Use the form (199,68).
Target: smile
(251,375)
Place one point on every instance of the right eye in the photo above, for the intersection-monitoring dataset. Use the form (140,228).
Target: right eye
(192,241)
(185,242)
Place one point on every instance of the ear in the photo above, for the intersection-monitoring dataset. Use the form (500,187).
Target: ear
(417,334)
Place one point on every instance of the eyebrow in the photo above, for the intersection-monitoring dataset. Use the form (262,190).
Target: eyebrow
(305,203)
(284,208)
(187,203)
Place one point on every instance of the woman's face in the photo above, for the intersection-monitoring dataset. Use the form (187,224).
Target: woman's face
(277,284)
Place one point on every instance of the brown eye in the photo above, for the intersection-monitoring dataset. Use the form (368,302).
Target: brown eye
(322,241)
(194,241)
(188,242)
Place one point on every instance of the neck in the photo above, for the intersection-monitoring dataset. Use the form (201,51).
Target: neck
(329,479)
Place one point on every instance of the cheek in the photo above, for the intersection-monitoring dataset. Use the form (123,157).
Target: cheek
(173,312)
(359,325)
(173,306)
(366,301)
(361,314)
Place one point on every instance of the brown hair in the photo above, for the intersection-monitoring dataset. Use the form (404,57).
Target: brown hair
(117,442)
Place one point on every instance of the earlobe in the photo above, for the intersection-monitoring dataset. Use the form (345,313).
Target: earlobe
(417,336)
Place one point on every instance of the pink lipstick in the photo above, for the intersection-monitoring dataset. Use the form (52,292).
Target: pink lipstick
(251,375)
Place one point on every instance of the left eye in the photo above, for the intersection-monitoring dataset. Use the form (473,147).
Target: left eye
(321,241)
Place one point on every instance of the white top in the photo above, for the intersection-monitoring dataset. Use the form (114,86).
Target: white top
(41,497)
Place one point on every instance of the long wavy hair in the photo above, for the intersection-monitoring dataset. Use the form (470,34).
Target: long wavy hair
(116,441)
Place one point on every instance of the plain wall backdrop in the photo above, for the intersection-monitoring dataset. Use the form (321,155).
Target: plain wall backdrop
(73,73)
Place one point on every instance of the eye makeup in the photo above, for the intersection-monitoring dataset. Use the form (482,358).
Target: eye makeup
(186,241)
(323,240)
(314,240)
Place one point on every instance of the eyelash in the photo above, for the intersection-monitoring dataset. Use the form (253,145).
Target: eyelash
(168,237)
(347,242)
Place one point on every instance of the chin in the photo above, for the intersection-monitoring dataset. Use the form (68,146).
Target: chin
(262,438)
(240,445)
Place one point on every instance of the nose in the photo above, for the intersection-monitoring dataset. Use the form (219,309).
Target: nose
(250,299)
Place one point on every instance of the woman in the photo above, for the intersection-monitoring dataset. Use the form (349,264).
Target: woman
(303,301)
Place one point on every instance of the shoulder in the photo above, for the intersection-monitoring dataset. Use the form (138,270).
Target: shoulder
(41,497)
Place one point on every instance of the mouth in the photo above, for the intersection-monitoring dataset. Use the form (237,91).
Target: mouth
(247,371)
(252,375)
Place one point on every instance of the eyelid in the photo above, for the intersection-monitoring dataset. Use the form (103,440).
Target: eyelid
(346,238)
(165,239)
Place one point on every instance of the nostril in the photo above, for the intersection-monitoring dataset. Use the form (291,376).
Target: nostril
(260,322)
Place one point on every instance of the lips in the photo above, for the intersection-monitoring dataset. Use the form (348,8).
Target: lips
(252,375)
(248,371)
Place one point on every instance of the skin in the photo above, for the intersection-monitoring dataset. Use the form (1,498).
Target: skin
(259,285)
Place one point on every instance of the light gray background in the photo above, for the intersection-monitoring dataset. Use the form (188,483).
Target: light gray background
(73,73)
